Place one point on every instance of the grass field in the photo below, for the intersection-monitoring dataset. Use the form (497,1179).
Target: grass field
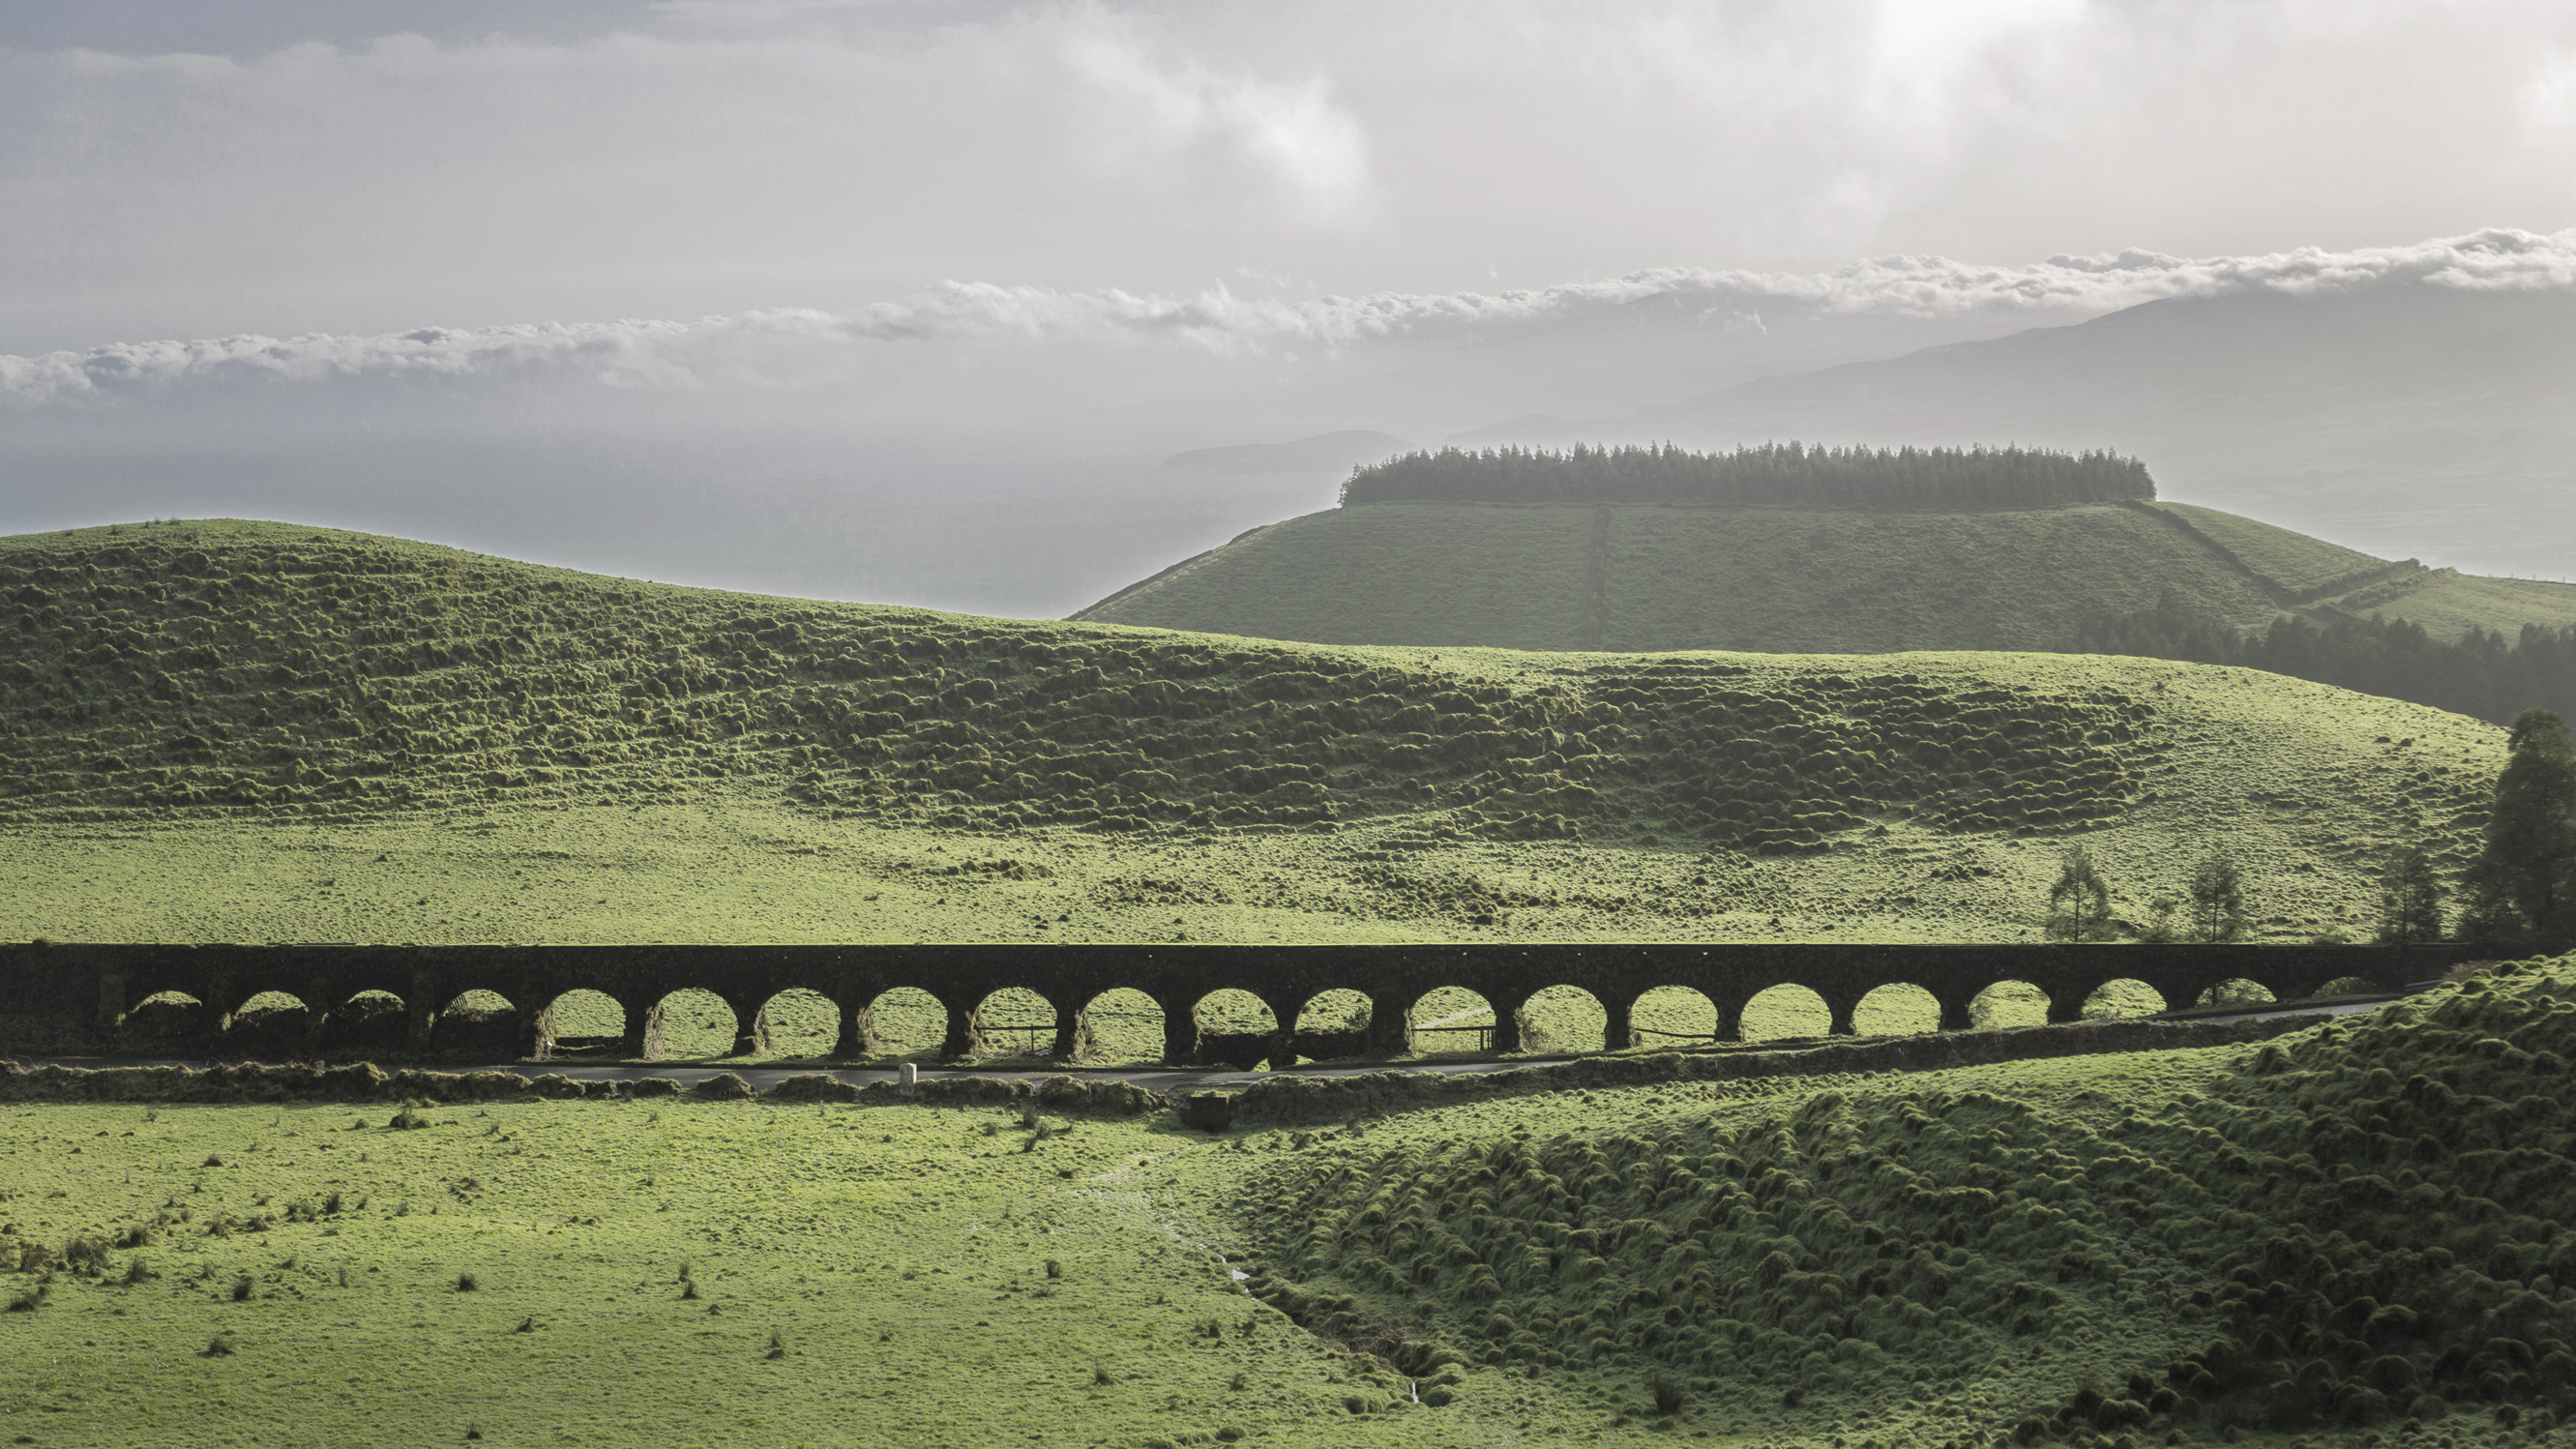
(2448,604)
(2294,561)
(683,1274)
(1899,1260)
(256,733)
(1644,578)
(2049,1250)
(1759,579)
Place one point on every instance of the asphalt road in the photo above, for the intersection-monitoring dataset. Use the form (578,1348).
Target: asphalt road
(1155,1079)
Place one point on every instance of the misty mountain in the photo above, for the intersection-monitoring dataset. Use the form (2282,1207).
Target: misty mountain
(1324,453)
(1011,451)
(2405,419)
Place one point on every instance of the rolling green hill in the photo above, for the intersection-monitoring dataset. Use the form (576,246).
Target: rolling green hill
(226,730)
(1649,577)
(2352,1228)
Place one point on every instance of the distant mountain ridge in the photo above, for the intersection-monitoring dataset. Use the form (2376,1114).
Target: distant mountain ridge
(2411,418)
(1323,453)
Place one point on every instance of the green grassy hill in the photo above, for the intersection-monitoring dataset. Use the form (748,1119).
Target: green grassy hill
(1771,579)
(246,731)
(2353,1228)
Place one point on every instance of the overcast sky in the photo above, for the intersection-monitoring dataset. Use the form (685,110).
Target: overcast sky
(172,168)
(828,250)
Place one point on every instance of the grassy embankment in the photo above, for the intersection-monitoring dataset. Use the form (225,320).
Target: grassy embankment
(226,731)
(2350,1231)
(1652,577)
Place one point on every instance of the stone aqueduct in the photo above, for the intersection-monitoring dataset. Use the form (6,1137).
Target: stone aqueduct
(93,988)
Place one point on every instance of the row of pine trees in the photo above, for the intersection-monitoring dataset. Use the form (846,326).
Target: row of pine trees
(1783,474)
(2482,674)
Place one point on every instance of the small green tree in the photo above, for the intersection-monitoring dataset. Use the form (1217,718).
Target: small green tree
(2079,904)
(2161,929)
(2524,880)
(2410,897)
(2218,910)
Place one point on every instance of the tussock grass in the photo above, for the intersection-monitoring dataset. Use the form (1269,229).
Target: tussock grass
(893,1303)
(499,751)
(2351,1226)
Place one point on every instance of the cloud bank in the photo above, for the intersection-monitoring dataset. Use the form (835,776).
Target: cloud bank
(787,348)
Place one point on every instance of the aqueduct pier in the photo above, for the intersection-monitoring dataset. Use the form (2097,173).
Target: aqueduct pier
(97,989)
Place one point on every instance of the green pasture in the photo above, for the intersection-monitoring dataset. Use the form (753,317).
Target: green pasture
(683,1273)
(2067,1251)
(2294,561)
(2449,604)
(255,732)
(1643,577)
(1941,1258)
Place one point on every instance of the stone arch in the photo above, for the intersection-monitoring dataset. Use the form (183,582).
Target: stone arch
(2236,991)
(1334,1023)
(1234,1027)
(691,1022)
(1233,1011)
(1449,1019)
(2122,997)
(1563,1018)
(2348,986)
(479,1023)
(1336,1009)
(1121,1024)
(168,1015)
(371,1019)
(269,1004)
(1786,1012)
(1012,1021)
(797,1022)
(2008,1003)
(1898,1008)
(270,1021)
(1665,1017)
(580,1021)
(903,1021)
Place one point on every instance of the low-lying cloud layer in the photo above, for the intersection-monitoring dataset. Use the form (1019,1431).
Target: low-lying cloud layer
(806,347)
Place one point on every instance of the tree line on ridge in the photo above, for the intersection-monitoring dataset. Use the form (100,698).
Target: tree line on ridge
(2482,674)
(1789,474)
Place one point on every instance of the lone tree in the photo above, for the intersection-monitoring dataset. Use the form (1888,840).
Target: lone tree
(2524,879)
(2217,898)
(2410,897)
(2079,905)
